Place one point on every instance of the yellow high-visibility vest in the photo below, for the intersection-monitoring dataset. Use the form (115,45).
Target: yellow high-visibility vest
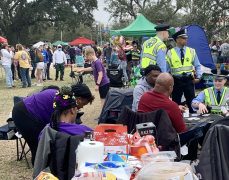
(174,61)
(150,49)
(211,101)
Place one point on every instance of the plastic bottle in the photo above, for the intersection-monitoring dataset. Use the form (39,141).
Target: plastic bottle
(88,136)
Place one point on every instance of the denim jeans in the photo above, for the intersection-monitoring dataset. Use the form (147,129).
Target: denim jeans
(108,60)
(9,75)
(123,66)
(25,77)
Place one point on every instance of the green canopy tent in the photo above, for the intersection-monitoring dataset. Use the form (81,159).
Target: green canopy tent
(60,42)
(140,27)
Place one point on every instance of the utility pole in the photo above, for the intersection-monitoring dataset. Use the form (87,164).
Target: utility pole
(101,39)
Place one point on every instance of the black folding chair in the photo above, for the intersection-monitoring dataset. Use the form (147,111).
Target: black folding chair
(20,143)
(9,132)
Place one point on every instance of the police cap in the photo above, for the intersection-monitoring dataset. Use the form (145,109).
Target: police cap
(219,77)
(182,33)
(162,27)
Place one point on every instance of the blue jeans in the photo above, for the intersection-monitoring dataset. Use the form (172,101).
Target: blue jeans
(108,60)
(123,66)
(9,75)
(26,81)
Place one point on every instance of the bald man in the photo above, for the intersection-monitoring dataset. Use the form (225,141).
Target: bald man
(158,98)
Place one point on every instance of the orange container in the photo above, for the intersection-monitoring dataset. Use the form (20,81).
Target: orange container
(137,151)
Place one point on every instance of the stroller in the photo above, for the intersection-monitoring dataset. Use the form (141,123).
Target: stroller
(115,101)
(76,77)
(115,75)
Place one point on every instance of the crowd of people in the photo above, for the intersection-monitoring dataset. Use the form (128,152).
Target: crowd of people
(19,61)
(220,51)
(167,75)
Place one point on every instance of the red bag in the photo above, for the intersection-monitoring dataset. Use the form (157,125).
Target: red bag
(114,137)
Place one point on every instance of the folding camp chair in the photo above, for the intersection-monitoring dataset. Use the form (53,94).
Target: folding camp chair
(9,132)
(20,143)
(21,151)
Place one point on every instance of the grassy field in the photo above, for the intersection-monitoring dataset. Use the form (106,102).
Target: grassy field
(17,170)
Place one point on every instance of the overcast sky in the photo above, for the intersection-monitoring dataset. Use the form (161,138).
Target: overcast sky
(101,15)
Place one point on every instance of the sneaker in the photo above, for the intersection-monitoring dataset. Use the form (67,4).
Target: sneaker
(49,78)
(39,84)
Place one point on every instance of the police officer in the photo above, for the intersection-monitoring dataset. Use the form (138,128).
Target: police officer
(154,49)
(214,97)
(182,61)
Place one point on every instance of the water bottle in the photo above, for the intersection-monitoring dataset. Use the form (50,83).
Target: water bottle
(88,136)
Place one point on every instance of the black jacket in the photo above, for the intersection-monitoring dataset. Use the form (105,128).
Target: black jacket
(56,150)
(167,136)
(214,157)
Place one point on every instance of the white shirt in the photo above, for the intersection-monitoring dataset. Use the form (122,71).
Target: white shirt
(6,57)
(224,49)
(59,57)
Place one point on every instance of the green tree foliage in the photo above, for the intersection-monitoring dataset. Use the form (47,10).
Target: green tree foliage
(213,15)
(207,13)
(22,20)
(154,10)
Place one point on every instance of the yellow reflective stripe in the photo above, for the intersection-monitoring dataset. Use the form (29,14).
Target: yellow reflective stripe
(186,68)
(212,97)
(213,102)
(214,107)
(175,62)
(207,100)
(150,56)
(193,52)
(168,57)
(223,100)
(155,49)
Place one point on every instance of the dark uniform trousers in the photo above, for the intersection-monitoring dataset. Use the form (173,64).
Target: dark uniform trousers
(184,85)
(60,68)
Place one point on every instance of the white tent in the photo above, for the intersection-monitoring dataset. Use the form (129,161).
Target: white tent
(38,44)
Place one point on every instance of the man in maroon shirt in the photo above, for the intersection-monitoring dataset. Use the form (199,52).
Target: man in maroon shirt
(158,98)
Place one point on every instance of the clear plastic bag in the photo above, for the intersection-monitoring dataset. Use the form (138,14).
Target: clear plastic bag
(166,171)
(163,156)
